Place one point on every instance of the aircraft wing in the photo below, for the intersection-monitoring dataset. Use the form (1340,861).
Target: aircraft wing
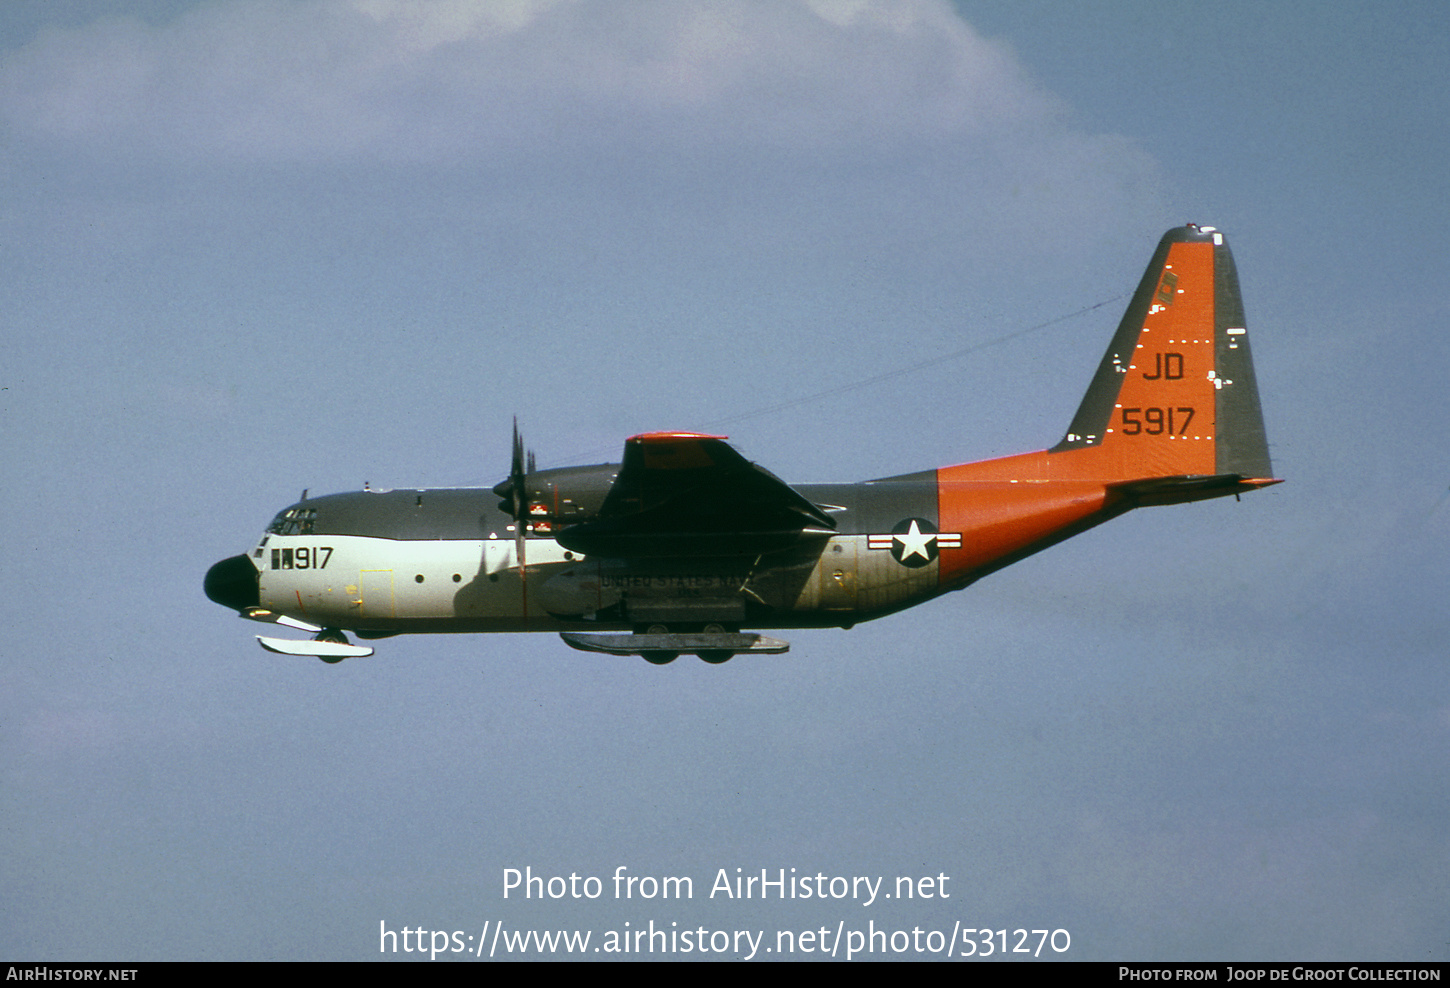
(685,494)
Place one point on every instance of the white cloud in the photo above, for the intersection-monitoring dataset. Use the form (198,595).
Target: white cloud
(327,79)
(800,126)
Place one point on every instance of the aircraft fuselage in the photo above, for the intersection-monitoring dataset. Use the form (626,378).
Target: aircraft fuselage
(382,562)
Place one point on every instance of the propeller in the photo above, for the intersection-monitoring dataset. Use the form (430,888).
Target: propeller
(518,495)
(513,495)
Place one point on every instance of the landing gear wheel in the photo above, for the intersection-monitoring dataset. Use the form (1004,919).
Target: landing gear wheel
(715,656)
(334,636)
(658,656)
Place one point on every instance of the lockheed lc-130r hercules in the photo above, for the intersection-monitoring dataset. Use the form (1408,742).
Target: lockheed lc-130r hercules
(685,545)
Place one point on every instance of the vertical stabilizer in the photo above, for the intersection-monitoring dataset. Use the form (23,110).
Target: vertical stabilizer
(1171,416)
(1175,393)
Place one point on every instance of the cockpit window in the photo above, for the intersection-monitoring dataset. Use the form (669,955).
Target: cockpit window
(293,521)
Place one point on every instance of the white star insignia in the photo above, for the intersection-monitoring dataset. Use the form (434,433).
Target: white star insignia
(914,542)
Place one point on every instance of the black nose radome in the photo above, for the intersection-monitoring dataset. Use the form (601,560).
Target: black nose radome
(233,583)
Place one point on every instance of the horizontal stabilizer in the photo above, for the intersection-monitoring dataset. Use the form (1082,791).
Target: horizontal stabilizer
(1180,490)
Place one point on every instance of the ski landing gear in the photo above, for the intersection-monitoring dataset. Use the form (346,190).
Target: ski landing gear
(659,644)
(330,646)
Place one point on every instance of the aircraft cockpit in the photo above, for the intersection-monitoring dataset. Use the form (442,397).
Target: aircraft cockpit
(293,521)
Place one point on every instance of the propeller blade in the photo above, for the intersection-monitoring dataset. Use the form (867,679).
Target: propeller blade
(518,487)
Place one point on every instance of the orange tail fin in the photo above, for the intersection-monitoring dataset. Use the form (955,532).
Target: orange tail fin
(1174,398)
(1172,415)
(1175,394)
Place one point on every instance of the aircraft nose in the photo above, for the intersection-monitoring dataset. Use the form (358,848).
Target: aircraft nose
(233,583)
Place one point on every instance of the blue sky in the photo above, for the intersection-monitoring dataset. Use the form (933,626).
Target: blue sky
(251,247)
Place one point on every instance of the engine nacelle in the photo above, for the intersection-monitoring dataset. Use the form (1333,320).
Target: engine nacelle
(560,496)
